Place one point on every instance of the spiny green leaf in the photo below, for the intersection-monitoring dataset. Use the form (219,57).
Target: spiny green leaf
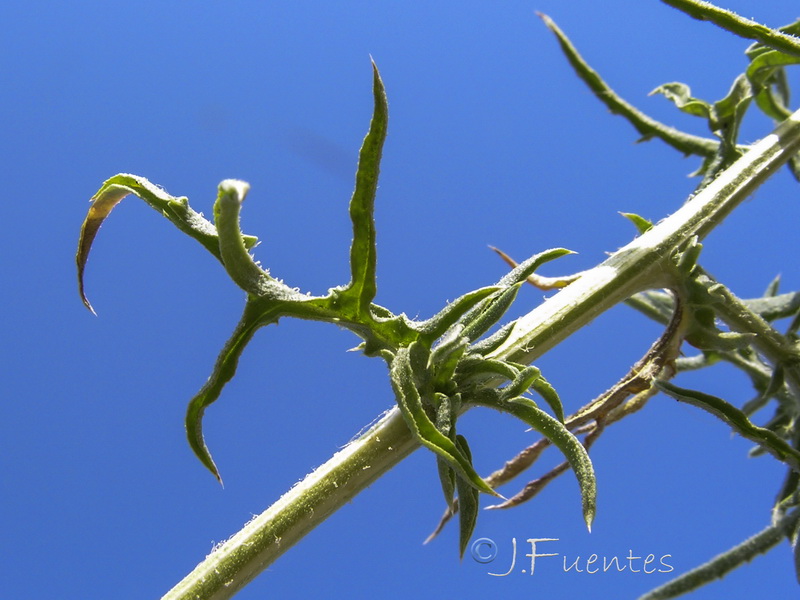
(526,268)
(256,314)
(737,420)
(421,426)
(486,345)
(521,383)
(176,209)
(647,127)
(435,327)
(396,329)
(479,320)
(474,366)
(561,437)
(484,315)
(446,355)
(356,297)
(542,387)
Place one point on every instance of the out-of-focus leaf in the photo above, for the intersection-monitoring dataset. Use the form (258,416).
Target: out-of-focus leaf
(681,95)
(468,502)
(641,224)
(659,305)
(724,118)
(773,287)
(420,424)
(737,420)
(447,477)
(728,112)
(794,326)
(767,77)
(176,209)
(795,540)
(356,297)
(727,561)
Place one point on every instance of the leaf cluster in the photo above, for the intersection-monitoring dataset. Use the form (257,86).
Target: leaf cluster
(437,367)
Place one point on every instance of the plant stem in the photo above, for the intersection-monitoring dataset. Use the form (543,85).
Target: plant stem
(641,264)
(729,20)
(726,562)
(259,543)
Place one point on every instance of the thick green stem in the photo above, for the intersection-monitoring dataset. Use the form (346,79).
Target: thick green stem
(639,265)
(231,566)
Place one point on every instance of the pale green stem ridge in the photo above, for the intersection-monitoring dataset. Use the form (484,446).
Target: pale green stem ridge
(640,265)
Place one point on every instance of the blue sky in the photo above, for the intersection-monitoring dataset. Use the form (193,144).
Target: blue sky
(492,141)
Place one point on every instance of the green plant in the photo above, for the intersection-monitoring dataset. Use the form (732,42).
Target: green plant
(459,359)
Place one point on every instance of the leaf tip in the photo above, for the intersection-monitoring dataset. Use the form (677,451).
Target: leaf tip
(87,304)
(81,290)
